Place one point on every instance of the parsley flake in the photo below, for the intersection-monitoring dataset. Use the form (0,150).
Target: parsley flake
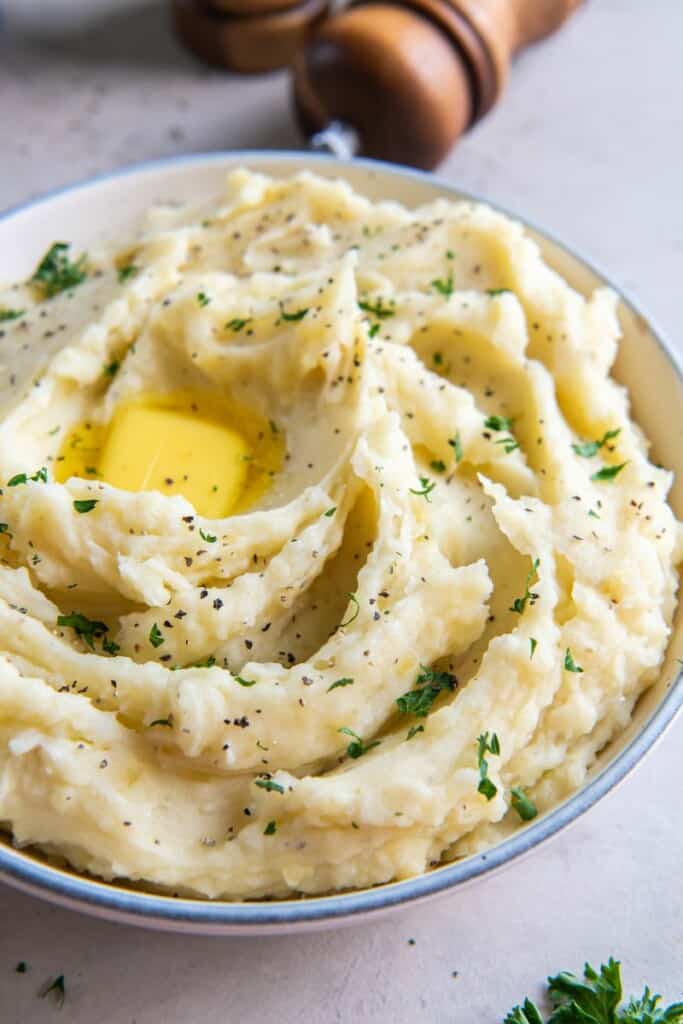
(590,448)
(533,644)
(486,746)
(377,309)
(10,314)
(356,611)
(608,472)
(438,466)
(109,647)
(430,683)
(84,505)
(269,785)
(245,682)
(161,721)
(40,476)
(498,291)
(414,730)
(520,603)
(456,445)
(88,629)
(293,317)
(523,804)
(112,368)
(373,331)
(21,967)
(207,537)
(426,486)
(498,423)
(569,663)
(358,747)
(203,299)
(4,527)
(270,829)
(56,273)
(56,987)
(237,324)
(346,681)
(127,272)
(444,286)
(330,512)
(156,637)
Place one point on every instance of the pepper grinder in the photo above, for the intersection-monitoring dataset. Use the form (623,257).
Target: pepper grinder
(400,81)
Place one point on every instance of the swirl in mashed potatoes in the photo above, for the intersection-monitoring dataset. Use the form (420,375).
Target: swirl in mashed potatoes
(447,574)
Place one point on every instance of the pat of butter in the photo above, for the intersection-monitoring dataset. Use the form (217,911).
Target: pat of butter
(151,448)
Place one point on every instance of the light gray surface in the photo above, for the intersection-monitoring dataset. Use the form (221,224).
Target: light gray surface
(588,143)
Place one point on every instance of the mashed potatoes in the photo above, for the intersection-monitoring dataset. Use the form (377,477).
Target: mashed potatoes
(435,592)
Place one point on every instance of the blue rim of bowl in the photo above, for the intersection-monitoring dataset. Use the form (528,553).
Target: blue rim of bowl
(144,908)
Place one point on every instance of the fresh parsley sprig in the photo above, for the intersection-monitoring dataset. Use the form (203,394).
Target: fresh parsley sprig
(595,999)
(88,629)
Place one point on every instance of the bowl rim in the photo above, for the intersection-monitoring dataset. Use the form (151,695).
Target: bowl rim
(132,906)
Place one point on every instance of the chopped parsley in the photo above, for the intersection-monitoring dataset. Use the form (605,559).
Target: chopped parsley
(356,611)
(270,829)
(127,272)
(595,1000)
(444,286)
(207,663)
(203,299)
(237,324)
(438,466)
(426,486)
(112,368)
(346,681)
(569,663)
(161,721)
(533,644)
(523,804)
(245,682)
(56,273)
(84,505)
(377,309)
(88,629)
(498,423)
(270,785)
(358,747)
(608,472)
(486,746)
(4,527)
(373,331)
(520,603)
(330,512)
(293,317)
(208,537)
(109,647)
(156,637)
(414,730)
(40,476)
(590,448)
(430,683)
(21,967)
(498,291)
(10,314)
(509,444)
(456,445)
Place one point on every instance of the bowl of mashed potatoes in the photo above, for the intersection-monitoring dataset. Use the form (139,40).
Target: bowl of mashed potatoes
(338,541)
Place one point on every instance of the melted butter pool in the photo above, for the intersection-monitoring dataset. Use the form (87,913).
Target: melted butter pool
(220,455)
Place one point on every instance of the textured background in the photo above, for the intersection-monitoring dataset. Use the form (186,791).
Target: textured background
(588,142)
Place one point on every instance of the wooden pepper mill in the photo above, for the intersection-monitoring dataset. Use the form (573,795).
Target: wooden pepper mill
(402,80)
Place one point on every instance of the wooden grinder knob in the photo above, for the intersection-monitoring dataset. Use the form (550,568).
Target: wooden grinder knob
(248,36)
(411,77)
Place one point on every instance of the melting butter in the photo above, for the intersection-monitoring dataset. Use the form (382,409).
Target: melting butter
(219,454)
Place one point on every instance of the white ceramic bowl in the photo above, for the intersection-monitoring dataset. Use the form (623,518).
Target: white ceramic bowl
(109,208)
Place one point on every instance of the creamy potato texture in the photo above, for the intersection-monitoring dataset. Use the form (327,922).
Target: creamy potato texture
(433,595)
